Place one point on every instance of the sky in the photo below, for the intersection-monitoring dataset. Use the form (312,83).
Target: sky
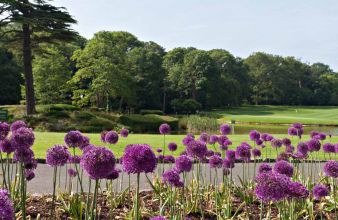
(305,29)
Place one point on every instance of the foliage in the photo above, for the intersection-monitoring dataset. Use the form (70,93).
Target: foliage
(197,124)
(186,106)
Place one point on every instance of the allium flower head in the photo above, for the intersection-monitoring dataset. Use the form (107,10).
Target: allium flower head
(256,152)
(329,148)
(171,177)
(231,155)
(4,130)
(204,137)
(85,142)
(6,146)
(266,137)
(320,191)
(29,175)
(292,131)
(228,164)
(289,149)
(314,145)
(222,139)
(283,167)
(75,159)
(215,161)
(103,136)
(297,125)
(286,141)
(172,146)
(25,155)
(209,153)
(23,138)
(74,139)
(113,175)
(139,158)
(302,148)
(213,139)
(187,139)
(17,124)
(271,186)
(254,135)
(169,159)
(259,142)
(243,152)
(6,207)
(71,172)
(158,218)
(124,132)
(183,163)
(223,147)
(225,129)
(283,156)
(98,162)
(331,168)
(197,149)
(57,156)
(297,191)
(313,133)
(112,137)
(164,129)
(321,136)
(264,168)
(159,150)
(276,143)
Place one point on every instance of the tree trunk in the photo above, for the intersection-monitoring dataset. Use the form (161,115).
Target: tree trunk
(28,71)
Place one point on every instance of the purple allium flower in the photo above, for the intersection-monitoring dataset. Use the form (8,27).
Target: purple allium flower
(292,131)
(283,156)
(209,153)
(6,146)
(112,137)
(314,145)
(172,146)
(57,156)
(31,165)
(204,137)
(329,148)
(313,133)
(18,124)
(164,129)
(113,175)
(302,148)
(228,164)
(231,155)
(297,191)
(74,159)
(103,136)
(243,152)
(225,129)
(183,163)
(6,207)
(159,150)
(276,143)
(87,148)
(254,135)
(85,142)
(71,172)
(222,139)
(171,177)
(4,130)
(264,168)
(160,158)
(286,141)
(197,149)
(187,139)
(259,142)
(321,136)
(256,152)
(320,191)
(331,168)
(289,149)
(271,186)
(23,138)
(98,162)
(169,159)
(29,175)
(25,155)
(74,139)
(266,137)
(124,132)
(158,218)
(299,155)
(213,139)
(139,158)
(297,125)
(223,147)
(283,167)
(215,161)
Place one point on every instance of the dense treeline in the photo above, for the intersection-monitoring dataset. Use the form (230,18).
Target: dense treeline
(116,71)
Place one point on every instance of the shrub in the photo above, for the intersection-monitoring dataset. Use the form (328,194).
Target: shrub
(197,124)
(150,111)
(187,106)
(83,116)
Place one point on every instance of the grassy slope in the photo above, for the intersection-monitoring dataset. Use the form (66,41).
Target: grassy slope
(44,140)
(327,115)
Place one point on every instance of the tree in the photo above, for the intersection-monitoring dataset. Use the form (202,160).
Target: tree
(30,23)
(10,79)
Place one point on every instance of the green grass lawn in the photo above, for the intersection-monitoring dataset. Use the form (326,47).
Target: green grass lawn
(324,115)
(45,140)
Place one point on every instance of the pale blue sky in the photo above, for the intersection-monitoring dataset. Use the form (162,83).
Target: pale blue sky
(305,29)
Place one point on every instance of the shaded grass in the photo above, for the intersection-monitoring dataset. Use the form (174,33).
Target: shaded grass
(45,140)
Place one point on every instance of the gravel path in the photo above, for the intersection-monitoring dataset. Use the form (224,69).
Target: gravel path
(42,183)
